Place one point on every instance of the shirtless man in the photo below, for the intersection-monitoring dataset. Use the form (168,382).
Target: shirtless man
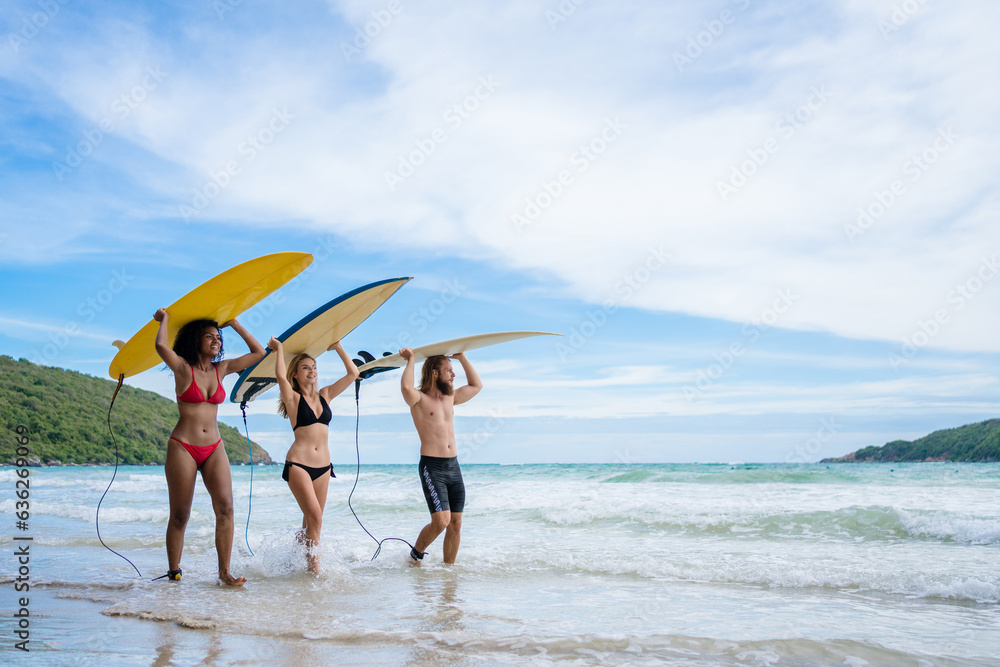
(432,408)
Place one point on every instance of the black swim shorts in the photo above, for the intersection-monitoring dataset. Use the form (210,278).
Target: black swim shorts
(441,480)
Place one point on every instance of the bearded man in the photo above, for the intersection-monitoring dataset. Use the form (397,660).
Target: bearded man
(433,410)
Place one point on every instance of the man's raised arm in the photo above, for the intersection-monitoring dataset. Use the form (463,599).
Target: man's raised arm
(463,394)
(410,394)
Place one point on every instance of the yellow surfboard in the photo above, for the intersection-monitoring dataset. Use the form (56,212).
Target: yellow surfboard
(221,299)
(315,332)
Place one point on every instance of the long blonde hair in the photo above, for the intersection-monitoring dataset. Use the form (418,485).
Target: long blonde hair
(290,376)
(427,371)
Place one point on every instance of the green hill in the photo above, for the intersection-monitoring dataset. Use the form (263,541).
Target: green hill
(973,443)
(66,415)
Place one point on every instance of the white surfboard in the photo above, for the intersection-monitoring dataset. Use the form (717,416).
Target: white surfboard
(448,347)
(315,332)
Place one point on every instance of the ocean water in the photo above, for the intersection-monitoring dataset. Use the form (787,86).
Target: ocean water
(686,564)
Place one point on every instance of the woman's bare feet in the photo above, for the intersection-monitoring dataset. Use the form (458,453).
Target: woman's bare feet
(230,580)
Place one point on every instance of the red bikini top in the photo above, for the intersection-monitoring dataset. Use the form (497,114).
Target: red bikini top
(193,394)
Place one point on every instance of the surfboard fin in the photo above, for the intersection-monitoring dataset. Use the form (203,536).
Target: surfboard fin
(118,343)
(368,357)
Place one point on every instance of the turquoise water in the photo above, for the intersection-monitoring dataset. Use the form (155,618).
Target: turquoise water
(797,564)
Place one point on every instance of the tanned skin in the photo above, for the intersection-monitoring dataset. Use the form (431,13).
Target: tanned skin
(198,425)
(433,415)
(311,446)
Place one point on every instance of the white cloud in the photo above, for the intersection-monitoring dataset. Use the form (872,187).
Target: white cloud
(16,328)
(865,104)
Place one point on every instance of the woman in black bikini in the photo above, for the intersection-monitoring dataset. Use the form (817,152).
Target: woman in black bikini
(307,465)
(196,360)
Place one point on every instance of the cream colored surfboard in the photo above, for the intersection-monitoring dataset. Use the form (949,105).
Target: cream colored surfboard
(315,332)
(221,299)
(449,347)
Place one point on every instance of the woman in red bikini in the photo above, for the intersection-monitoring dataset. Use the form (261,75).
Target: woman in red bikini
(196,360)
(307,465)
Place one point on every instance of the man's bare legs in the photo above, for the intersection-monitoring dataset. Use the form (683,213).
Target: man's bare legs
(442,522)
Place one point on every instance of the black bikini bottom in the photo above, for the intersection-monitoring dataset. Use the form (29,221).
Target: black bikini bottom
(314,473)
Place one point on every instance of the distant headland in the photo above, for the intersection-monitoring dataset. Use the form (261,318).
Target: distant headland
(972,443)
(66,417)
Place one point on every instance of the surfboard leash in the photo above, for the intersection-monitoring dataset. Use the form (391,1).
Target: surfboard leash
(357,474)
(97,520)
(246,534)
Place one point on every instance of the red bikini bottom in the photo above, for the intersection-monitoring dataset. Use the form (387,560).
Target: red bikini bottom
(199,454)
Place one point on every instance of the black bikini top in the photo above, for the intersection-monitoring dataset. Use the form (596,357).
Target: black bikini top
(306,416)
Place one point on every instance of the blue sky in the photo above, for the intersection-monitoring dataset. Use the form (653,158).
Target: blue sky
(767,230)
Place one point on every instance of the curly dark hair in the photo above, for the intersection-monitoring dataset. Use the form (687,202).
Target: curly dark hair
(188,340)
